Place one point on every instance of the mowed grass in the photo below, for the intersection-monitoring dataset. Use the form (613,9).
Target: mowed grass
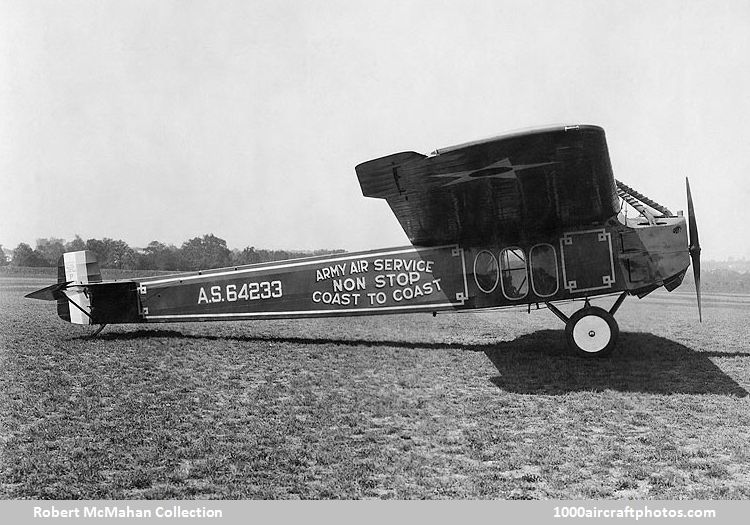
(479,405)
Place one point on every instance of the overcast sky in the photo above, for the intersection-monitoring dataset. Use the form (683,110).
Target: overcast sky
(143,120)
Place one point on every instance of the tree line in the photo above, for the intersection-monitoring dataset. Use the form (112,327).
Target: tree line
(198,253)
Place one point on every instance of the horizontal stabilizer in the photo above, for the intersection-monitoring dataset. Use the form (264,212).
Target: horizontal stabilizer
(49,293)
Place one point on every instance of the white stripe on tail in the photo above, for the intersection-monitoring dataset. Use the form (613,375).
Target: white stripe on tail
(81,268)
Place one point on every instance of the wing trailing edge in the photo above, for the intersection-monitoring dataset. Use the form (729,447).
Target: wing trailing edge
(383,177)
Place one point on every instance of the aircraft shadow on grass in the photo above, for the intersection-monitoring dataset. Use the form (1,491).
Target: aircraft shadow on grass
(540,363)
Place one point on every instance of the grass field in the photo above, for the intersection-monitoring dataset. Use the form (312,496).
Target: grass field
(479,405)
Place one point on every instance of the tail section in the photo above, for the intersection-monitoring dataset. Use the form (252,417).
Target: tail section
(79,268)
(74,268)
(83,298)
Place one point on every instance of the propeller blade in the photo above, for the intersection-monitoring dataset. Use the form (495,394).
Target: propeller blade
(694,247)
(692,226)
(697,276)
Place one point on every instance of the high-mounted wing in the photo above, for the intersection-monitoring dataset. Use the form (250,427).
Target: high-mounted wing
(503,188)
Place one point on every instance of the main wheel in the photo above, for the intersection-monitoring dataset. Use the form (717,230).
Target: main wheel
(592,332)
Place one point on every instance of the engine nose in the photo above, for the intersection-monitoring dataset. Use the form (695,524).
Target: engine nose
(669,246)
(656,254)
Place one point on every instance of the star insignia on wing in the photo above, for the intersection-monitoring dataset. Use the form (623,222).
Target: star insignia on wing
(501,169)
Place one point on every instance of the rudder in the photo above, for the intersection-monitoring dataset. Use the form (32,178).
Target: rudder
(79,267)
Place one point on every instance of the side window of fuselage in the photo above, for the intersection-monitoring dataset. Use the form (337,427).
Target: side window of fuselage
(514,277)
(486,272)
(544,277)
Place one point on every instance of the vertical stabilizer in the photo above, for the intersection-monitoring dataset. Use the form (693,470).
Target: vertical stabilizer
(80,268)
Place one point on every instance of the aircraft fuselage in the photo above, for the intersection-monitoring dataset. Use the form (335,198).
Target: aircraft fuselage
(567,265)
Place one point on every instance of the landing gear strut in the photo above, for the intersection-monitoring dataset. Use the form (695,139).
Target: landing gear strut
(591,331)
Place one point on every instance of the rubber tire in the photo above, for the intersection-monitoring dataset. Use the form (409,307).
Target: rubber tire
(594,320)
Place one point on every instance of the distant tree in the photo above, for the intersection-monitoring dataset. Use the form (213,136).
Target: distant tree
(99,248)
(3,259)
(23,255)
(328,252)
(77,244)
(120,255)
(246,256)
(51,249)
(159,256)
(112,253)
(252,256)
(204,252)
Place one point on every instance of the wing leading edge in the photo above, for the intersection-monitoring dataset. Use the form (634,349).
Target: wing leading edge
(503,188)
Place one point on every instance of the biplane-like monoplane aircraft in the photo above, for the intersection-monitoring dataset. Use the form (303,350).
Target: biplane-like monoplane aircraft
(527,219)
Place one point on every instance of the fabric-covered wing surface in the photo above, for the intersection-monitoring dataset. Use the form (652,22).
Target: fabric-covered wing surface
(500,189)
